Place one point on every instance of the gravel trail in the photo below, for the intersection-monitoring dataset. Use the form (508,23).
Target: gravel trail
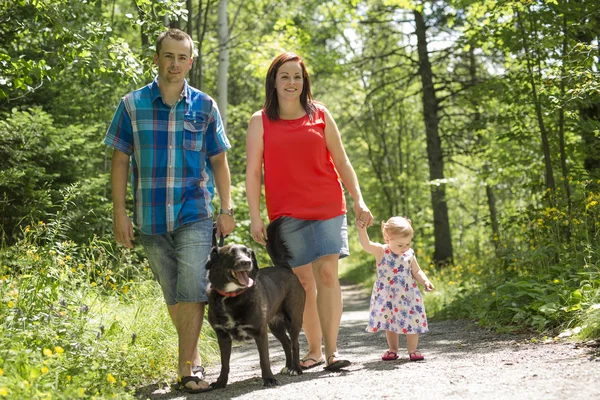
(462,361)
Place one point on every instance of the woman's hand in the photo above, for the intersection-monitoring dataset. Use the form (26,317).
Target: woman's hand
(364,218)
(258,230)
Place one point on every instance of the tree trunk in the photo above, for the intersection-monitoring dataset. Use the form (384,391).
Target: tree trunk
(223,60)
(441,226)
(561,117)
(538,108)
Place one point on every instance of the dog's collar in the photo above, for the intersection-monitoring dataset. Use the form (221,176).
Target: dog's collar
(234,293)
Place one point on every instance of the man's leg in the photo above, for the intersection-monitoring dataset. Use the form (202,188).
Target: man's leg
(196,359)
(189,324)
(193,244)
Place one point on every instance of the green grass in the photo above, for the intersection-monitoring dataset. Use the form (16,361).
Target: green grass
(82,321)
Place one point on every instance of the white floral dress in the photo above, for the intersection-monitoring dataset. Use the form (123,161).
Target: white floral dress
(396,301)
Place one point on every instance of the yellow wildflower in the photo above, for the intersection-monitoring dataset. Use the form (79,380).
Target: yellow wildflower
(123,383)
(68,378)
(44,370)
(556,281)
(47,352)
(1,372)
(81,392)
(59,350)
(3,392)
(110,378)
(10,304)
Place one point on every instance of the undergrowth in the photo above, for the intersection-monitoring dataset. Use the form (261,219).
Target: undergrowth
(542,277)
(81,321)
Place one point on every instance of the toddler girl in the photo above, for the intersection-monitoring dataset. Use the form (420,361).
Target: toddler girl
(396,302)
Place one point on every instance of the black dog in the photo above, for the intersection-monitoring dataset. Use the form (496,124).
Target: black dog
(244,300)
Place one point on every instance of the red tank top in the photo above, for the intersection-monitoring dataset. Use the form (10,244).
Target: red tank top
(300,178)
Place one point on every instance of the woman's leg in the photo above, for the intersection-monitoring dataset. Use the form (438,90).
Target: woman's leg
(329,300)
(310,322)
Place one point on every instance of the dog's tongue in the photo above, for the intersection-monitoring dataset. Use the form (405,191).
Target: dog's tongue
(243,278)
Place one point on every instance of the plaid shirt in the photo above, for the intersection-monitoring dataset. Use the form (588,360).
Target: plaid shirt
(172,178)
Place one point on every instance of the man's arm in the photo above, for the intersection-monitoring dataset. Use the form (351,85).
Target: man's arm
(225,223)
(122,226)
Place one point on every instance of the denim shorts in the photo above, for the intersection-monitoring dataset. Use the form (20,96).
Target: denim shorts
(178,261)
(309,240)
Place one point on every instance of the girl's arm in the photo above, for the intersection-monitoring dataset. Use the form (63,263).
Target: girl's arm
(420,275)
(370,247)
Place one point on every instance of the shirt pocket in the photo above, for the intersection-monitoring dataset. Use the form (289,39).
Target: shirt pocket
(194,129)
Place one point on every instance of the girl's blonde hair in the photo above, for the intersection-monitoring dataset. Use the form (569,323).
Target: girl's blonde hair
(397,226)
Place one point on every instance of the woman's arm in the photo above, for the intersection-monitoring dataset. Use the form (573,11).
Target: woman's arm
(340,159)
(370,247)
(254,167)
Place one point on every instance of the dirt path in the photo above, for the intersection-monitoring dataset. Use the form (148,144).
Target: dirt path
(463,361)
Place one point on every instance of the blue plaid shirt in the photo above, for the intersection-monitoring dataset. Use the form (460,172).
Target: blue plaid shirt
(172,178)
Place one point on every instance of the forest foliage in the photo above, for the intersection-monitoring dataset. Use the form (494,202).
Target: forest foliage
(478,119)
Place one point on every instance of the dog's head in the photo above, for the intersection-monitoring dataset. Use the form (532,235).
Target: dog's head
(231,267)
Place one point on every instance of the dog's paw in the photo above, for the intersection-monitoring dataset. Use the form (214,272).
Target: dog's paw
(270,382)
(218,384)
(291,372)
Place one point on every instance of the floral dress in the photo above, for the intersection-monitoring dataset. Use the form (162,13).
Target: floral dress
(396,301)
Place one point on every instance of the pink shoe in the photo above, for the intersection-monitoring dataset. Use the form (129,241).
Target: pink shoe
(416,356)
(389,356)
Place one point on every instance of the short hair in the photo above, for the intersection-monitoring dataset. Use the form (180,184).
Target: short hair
(271,106)
(176,34)
(399,226)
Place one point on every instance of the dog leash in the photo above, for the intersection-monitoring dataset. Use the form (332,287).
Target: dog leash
(214,237)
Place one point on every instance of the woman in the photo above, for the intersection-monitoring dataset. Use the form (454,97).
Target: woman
(299,144)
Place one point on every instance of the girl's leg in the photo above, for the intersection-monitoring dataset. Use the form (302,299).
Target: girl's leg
(412,341)
(392,339)
(310,321)
(329,301)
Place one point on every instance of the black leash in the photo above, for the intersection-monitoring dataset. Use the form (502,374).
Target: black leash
(214,237)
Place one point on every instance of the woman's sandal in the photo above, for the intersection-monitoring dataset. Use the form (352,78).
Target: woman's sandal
(314,362)
(389,356)
(337,364)
(416,356)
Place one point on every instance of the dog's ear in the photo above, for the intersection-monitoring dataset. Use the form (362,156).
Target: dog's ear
(212,258)
(254,262)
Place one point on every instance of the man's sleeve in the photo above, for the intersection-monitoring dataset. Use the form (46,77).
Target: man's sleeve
(120,134)
(216,140)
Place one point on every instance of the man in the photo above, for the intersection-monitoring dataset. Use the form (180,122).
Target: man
(175,134)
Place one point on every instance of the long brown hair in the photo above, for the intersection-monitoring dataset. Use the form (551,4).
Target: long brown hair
(271,106)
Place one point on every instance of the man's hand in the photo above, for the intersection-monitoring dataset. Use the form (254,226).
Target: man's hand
(225,225)
(123,230)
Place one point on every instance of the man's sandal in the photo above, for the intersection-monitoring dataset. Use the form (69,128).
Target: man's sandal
(193,378)
(335,365)
(198,370)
